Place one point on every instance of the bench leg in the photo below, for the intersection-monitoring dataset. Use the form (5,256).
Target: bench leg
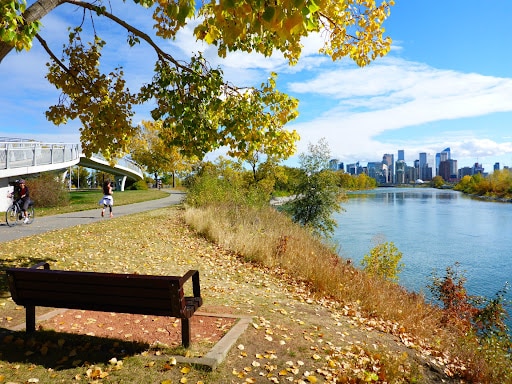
(185,332)
(30,318)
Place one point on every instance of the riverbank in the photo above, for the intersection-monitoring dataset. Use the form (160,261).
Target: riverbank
(296,334)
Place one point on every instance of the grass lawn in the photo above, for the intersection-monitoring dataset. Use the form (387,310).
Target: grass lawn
(88,199)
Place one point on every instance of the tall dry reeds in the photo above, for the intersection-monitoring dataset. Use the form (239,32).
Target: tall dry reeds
(266,236)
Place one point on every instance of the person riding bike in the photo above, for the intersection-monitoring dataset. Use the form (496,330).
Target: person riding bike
(22,193)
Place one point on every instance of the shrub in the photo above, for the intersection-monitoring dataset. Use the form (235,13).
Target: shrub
(224,184)
(480,318)
(48,191)
(486,317)
(140,185)
(383,261)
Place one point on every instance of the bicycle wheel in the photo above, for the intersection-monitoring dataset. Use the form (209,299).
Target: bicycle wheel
(31,214)
(12,216)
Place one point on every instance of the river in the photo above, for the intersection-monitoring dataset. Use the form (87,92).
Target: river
(433,229)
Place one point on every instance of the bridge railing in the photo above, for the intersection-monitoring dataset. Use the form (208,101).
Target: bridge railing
(16,154)
(123,162)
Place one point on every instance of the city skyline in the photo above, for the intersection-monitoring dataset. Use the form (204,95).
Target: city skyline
(427,166)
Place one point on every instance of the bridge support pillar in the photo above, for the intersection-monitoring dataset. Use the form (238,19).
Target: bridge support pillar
(121,181)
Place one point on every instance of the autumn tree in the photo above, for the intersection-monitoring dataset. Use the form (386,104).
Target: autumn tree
(191,99)
(355,182)
(149,149)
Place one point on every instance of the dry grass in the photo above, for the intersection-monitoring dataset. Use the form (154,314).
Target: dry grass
(272,239)
(268,237)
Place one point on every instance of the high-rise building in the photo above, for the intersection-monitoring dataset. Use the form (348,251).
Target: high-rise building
(353,168)
(401,155)
(334,164)
(444,170)
(423,166)
(375,170)
(453,169)
(477,168)
(496,166)
(400,171)
(389,161)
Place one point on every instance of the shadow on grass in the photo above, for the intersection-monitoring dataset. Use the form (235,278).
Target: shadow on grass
(61,351)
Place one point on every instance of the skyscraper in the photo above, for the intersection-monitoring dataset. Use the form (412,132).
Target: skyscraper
(389,161)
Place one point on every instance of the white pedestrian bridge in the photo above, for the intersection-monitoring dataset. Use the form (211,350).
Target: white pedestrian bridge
(22,158)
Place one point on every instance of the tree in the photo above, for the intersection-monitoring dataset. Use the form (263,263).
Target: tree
(437,182)
(150,150)
(317,193)
(192,100)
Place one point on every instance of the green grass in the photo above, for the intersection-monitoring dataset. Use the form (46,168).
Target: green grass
(88,199)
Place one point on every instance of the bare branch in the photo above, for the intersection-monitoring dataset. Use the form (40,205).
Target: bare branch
(52,55)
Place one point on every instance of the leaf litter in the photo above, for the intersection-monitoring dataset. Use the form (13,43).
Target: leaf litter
(295,336)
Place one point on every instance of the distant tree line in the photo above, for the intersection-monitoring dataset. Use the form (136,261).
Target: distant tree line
(497,185)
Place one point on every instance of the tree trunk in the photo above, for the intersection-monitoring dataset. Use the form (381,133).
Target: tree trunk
(33,13)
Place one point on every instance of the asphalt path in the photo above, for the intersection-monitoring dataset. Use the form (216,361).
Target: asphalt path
(65,220)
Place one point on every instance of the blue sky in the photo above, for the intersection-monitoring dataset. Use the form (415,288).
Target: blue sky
(446,83)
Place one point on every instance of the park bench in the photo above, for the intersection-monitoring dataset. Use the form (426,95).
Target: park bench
(105,292)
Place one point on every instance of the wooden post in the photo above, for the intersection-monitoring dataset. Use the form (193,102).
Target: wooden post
(30,318)
(185,332)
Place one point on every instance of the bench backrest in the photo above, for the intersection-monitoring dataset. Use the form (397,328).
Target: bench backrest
(107,292)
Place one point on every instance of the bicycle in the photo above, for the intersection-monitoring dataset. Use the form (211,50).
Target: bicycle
(14,213)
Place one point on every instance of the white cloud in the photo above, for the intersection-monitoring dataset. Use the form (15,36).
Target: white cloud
(394,94)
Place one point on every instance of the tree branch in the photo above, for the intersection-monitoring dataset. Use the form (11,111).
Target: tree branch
(162,55)
(52,55)
(33,13)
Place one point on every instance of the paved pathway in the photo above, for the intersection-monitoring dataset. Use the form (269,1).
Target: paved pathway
(49,223)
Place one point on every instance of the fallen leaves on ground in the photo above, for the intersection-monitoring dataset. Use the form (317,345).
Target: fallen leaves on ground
(294,337)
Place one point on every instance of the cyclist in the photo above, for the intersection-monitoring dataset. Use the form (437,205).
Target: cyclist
(22,193)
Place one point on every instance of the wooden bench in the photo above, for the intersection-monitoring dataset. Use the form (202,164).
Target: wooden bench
(105,292)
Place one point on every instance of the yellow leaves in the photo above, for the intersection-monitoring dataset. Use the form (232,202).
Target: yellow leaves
(185,370)
(96,373)
(116,364)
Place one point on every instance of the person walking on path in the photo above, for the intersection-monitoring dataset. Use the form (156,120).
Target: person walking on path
(108,199)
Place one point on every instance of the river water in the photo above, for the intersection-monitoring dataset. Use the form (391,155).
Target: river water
(433,229)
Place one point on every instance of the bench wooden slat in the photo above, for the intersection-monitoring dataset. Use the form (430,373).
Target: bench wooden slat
(96,289)
(106,292)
